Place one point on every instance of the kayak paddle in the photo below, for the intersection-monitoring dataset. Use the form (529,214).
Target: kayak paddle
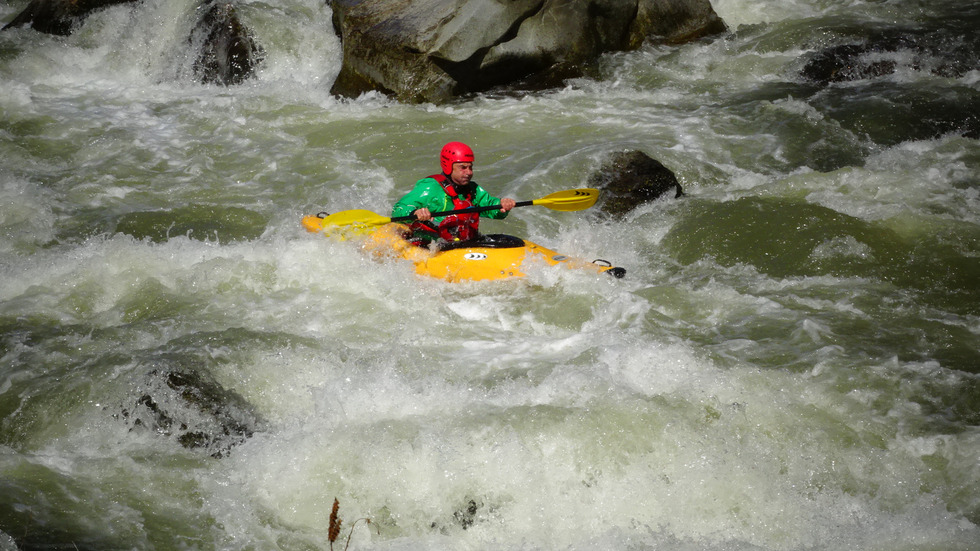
(565,201)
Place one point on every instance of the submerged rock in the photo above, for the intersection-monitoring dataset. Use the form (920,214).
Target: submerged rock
(434,50)
(885,52)
(191,407)
(201,222)
(467,514)
(59,16)
(228,52)
(845,62)
(893,110)
(631,178)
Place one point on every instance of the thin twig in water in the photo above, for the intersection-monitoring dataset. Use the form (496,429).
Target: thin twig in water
(367,520)
(334,530)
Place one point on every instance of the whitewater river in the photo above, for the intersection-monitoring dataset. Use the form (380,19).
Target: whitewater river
(791,363)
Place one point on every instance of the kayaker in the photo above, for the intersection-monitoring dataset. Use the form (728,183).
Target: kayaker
(451,190)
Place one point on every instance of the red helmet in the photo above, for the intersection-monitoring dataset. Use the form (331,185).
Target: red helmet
(454,152)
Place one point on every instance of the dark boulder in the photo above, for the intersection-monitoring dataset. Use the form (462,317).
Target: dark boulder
(228,52)
(629,179)
(435,50)
(59,16)
(674,22)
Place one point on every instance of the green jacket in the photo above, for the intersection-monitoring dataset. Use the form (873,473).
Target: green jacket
(428,193)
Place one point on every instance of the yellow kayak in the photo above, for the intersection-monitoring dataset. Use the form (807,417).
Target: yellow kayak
(490,257)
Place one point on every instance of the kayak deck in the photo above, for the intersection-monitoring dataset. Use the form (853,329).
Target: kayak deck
(488,259)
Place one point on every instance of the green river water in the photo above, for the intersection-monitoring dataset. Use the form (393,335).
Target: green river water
(791,363)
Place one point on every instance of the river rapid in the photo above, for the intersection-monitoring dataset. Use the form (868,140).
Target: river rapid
(791,362)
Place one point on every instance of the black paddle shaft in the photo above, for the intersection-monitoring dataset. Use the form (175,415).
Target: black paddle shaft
(467,210)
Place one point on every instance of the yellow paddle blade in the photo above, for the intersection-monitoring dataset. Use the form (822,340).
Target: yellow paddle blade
(569,199)
(357,217)
(345,223)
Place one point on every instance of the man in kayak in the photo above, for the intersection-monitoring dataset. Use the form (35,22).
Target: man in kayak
(451,190)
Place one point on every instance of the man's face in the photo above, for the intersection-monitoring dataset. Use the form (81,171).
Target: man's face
(462,173)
